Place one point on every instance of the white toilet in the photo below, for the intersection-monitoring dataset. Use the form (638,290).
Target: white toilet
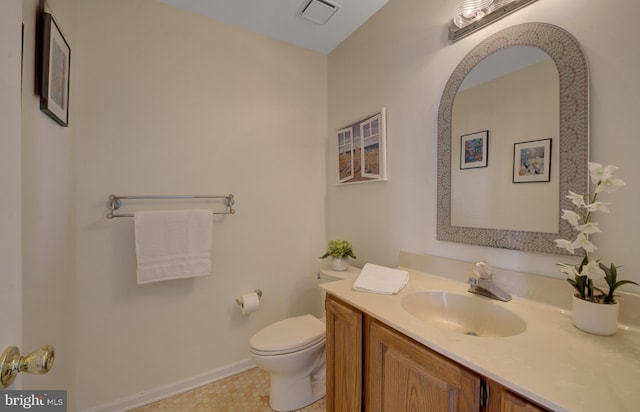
(292,350)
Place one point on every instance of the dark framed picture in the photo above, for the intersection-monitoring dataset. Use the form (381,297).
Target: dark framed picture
(54,80)
(474,150)
(532,161)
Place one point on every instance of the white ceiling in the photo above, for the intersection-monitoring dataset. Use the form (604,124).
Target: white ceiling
(280,19)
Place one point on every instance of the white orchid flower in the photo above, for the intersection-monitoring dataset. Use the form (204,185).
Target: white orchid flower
(592,270)
(599,173)
(598,206)
(576,199)
(604,182)
(593,167)
(582,241)
(569,270)
(565,244)
(589,228)
(572,217)
(609,185)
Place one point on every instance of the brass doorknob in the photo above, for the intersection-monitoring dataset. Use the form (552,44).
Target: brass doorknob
(11,363)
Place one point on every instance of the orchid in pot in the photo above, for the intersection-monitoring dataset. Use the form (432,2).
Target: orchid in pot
(340,251)
(602,317)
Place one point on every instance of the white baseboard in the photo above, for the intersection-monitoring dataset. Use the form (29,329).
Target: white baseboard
(165,391)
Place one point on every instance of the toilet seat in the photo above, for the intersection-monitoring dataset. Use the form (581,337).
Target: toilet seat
(288,335)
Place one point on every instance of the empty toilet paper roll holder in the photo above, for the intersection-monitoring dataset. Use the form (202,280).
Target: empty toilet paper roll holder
(257,292)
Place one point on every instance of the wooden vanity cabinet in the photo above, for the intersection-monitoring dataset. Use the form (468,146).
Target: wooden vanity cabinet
(399,373)
(344,357)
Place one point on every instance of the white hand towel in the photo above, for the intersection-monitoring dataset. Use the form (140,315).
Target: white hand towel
(172,244)
(380,279)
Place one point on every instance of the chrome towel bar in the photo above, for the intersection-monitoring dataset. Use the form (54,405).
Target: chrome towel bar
(115,202)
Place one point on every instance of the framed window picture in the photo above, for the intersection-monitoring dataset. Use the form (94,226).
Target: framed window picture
(474,150)
(532,161)
(54,81)
(361,150)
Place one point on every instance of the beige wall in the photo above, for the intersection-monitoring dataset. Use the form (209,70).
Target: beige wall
(10,161)
(174,103)
(402,59)
(48,280)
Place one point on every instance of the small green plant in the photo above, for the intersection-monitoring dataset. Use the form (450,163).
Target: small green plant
(339,248)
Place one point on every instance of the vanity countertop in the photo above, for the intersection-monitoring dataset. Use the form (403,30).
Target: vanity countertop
(551,362)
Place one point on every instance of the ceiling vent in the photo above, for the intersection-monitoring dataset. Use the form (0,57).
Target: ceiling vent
(318,11)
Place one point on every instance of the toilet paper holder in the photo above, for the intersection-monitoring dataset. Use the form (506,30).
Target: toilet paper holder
(257,292)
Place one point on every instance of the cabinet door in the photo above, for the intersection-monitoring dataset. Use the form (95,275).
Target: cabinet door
(344,357)
(403,375)
(503,400)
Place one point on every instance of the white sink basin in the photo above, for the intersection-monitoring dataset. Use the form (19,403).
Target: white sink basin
(468,314)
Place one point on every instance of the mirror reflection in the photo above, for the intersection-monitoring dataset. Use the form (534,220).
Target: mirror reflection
(513,97)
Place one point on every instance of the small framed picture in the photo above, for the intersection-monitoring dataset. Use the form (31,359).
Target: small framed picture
(54,81)
(474,150)
(532,161)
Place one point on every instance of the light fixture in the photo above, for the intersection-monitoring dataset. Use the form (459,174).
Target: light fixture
(469,11)
(471,15)
(318,11)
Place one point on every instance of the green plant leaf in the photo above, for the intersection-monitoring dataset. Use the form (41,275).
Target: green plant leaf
(339,248)
(625,282)
(578,285)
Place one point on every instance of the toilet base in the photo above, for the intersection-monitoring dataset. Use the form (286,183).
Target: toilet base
(288,395)
(297,378)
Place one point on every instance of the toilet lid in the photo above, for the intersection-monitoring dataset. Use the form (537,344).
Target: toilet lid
(289,335)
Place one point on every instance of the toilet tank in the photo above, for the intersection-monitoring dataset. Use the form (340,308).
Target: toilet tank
(328,275)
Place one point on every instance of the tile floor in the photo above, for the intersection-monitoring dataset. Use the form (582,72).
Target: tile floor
(244,392)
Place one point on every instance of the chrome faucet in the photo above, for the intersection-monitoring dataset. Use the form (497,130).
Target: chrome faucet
(482,283)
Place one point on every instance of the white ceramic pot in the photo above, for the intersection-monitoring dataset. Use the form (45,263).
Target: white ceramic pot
(595,318)
(340,263)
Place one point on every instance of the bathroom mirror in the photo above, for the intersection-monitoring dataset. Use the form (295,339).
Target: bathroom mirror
(476,199)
